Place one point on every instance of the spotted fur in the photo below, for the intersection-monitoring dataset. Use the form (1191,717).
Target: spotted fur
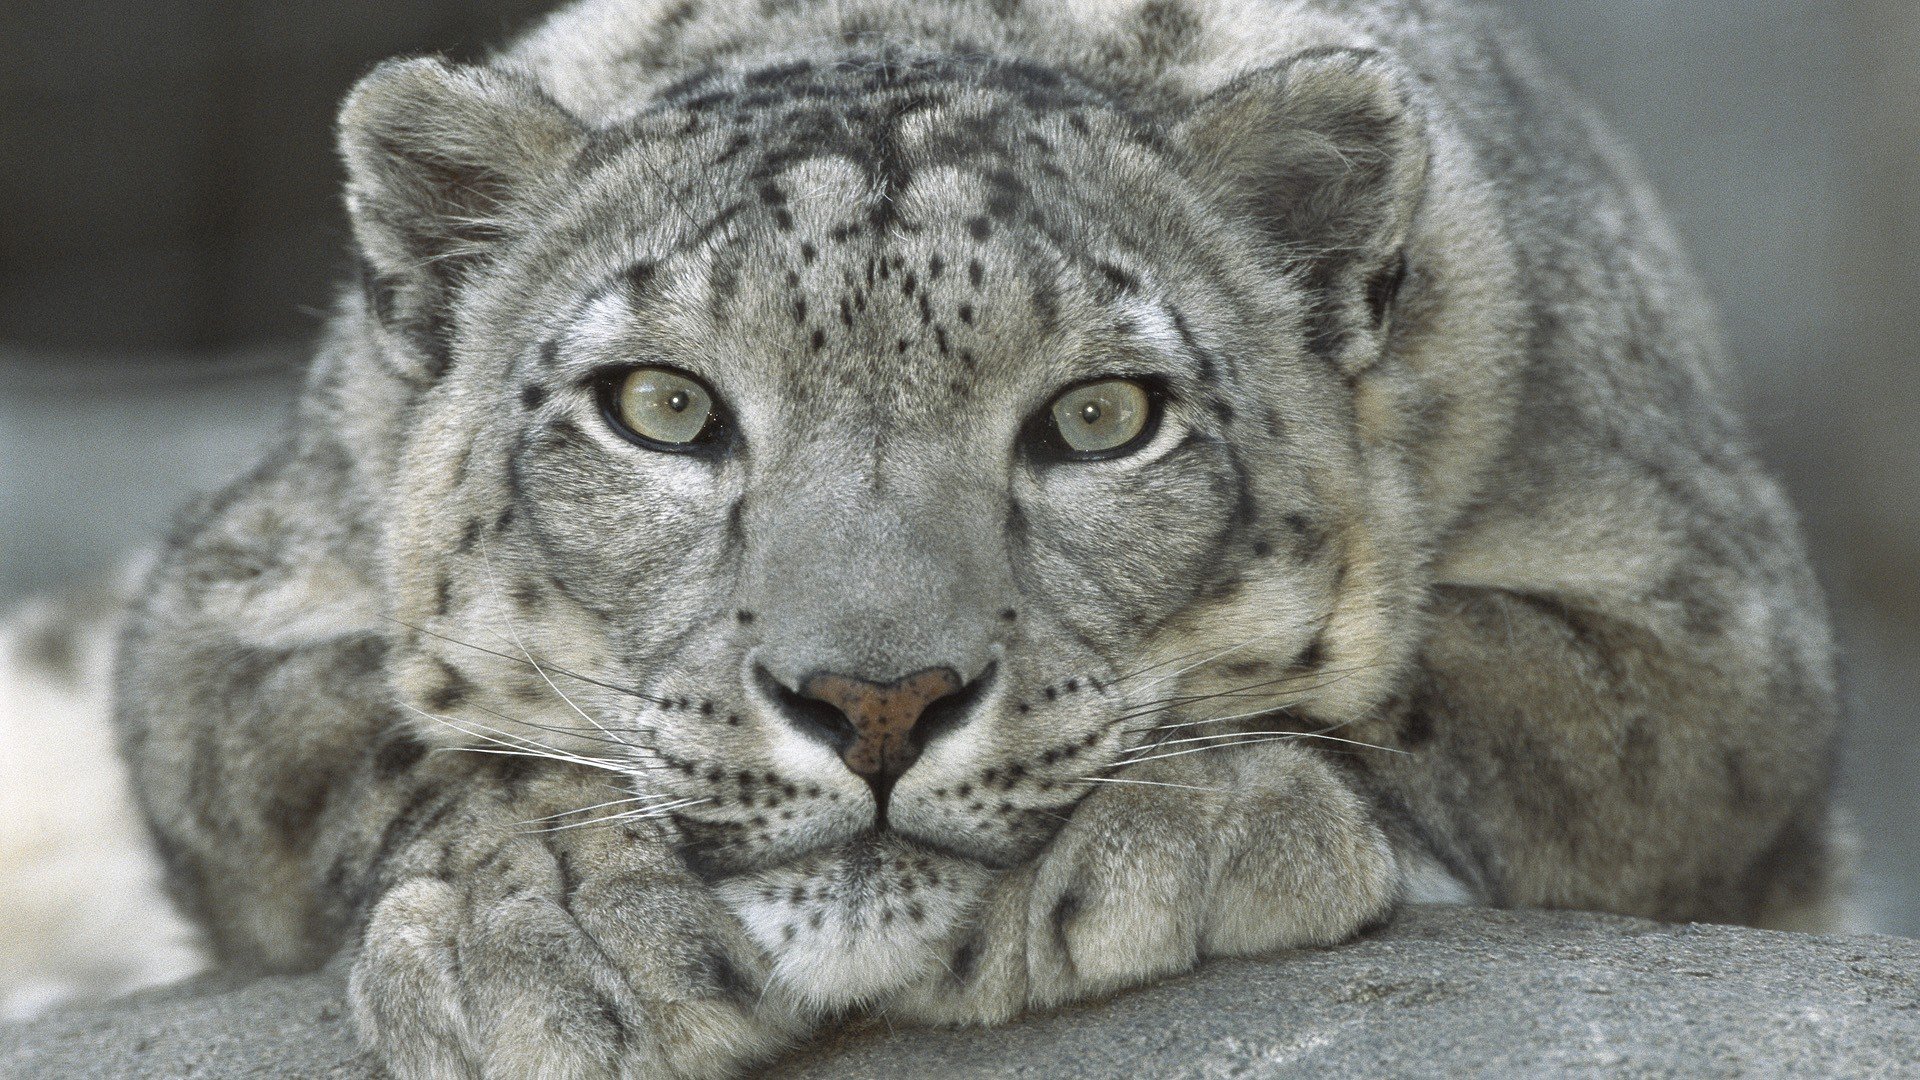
(1446,573)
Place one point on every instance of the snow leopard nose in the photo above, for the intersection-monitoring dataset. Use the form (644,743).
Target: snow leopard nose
(879,729)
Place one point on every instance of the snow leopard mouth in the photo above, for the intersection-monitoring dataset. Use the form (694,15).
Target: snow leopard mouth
(714,863)
(855,921)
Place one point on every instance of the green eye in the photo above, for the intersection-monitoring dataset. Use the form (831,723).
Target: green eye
(1102,417)
(664,407)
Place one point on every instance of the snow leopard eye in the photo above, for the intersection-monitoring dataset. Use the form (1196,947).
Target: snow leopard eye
(1103,419)
(661,408)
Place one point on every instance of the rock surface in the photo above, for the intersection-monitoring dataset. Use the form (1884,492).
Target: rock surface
(1443,992)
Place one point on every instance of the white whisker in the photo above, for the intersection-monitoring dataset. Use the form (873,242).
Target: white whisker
(493,584)
(1353,742)
(595,806)
(1223,652)
(515,742)
(631,815)
(1197,749)
(1148,783)
(1202,738)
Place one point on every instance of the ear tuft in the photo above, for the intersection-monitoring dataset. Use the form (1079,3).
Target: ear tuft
(434,153)
(1327,153)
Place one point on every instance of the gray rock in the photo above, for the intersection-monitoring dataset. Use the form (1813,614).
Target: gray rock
(1442,993)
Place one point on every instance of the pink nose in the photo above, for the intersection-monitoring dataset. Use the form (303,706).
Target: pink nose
(882,716)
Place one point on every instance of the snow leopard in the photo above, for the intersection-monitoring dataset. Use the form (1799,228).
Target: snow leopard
(940,509)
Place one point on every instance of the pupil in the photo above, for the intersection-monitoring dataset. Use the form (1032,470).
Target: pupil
(679,400)
(1090,412)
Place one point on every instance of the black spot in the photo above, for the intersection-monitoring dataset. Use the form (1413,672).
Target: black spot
(718,975)
(452,690)
(1064,912)
(532,396)
(935,267)
(1316,653)
(966,314)
(800,311)
(640,274)
(609,1014)
(469,537)
(505,519)
(1384,287)
(526,595)
(808,253)
(512,769)
(1119,279)
(442,595)
(1262,549)
(1009,615)
(743,616)
(976,273)
(817,340)
(565,434)
(292,813)
(1309,539)
(979,228)
(1416,728)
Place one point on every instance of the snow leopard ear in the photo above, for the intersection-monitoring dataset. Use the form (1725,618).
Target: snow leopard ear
(436,153)
(1326,153)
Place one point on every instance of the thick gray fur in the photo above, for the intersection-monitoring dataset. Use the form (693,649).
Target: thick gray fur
(1446,574)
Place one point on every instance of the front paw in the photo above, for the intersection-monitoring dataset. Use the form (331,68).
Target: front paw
(1144,881)
(589,960)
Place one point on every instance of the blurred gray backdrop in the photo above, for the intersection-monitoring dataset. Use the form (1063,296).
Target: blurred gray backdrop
(171,232)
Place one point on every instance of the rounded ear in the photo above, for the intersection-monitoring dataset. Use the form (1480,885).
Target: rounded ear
(1326,153)
(435,151)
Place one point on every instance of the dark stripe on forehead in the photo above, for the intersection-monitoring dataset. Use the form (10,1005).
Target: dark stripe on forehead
(856,76)
(1209,370)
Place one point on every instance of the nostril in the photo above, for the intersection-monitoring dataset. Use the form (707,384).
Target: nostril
(952,711)
(813,717)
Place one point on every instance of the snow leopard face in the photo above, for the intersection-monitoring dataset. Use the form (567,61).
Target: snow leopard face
(852,456)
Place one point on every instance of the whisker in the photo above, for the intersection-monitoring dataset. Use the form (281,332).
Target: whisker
(595,806)
(1148,783)
(501,753)
(1196,750)
(1202,738)
(1287,734)
(523,746)
(1171,703)
(1137,672)
(1353,742)
(576,733)
(493,583)
(1257,638)
(1278,707)
(1168,704)
(632,815)
(555,668)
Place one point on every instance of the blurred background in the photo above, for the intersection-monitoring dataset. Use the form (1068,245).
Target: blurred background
(172,232)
